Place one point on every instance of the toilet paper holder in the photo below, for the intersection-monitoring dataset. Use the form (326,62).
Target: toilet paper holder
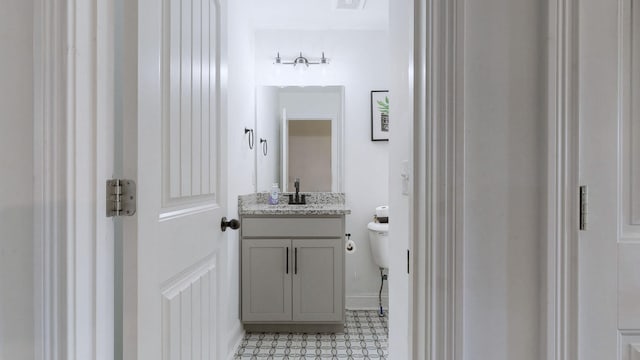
(350,245)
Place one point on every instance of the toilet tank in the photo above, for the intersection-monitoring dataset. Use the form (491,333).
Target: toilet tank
(379,241)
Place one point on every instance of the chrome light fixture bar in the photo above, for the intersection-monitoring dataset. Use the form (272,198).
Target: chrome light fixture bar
(301,60)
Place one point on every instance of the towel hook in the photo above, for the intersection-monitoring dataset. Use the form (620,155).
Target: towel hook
(264,146)
(251,137)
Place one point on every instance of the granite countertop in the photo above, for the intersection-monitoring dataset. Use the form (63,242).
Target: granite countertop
(319,203)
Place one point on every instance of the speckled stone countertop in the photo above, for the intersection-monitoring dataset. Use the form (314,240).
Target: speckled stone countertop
(318,203)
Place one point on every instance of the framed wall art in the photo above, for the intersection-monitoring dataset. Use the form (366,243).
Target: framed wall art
(380,115)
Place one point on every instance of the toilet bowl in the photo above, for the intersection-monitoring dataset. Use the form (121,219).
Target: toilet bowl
(379,241)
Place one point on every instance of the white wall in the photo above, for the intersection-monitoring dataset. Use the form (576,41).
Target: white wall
(359,62)
(505,173)
(16,186)
(241,171)
(268,119)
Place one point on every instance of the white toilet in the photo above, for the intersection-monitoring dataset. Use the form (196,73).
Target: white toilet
(379,240)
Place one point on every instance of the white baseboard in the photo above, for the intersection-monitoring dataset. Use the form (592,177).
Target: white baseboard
(366,302)
(235,339)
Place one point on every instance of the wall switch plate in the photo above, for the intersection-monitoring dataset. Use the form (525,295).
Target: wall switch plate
(404,174)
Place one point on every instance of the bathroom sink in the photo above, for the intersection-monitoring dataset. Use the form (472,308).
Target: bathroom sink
(301,200)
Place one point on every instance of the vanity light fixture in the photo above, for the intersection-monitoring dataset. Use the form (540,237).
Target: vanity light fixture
(301,60)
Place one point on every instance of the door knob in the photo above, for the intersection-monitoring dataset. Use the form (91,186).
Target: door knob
(233,224)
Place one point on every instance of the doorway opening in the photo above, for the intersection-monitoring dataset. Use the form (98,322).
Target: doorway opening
(360,54)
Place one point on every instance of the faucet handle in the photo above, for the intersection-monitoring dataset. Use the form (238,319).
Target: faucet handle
(302,200)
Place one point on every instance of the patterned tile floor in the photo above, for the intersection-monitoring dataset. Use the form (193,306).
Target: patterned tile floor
(365,337)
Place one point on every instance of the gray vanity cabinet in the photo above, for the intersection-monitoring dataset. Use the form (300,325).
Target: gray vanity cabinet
(292,270)
(317,284)
(266,279)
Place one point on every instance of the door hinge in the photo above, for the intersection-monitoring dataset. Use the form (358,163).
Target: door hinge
(583,208)
(121,197)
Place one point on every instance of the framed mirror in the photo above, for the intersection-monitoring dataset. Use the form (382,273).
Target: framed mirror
(303,130)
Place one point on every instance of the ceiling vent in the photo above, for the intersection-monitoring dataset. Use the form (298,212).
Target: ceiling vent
(350,4)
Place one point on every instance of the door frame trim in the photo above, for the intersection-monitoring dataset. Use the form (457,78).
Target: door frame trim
(561,248)
(58,137)
(72,126)
(50,210)
(438,162)
(437,329)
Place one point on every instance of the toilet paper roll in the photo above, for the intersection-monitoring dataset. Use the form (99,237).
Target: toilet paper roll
(382,211)
(350,247)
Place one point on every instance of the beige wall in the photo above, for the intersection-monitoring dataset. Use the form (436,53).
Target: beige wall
(310,154)
(16,184)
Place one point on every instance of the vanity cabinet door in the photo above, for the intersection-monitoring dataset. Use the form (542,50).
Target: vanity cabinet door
(266,279)
(318,284)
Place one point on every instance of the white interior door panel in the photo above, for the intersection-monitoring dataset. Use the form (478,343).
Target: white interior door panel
(174,249)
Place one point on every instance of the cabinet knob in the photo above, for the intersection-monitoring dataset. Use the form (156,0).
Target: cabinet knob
(233,224)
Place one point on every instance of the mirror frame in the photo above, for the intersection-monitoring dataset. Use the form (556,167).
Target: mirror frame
(337,141)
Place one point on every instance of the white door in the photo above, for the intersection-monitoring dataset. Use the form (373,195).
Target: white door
(609,121)
(174,249)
